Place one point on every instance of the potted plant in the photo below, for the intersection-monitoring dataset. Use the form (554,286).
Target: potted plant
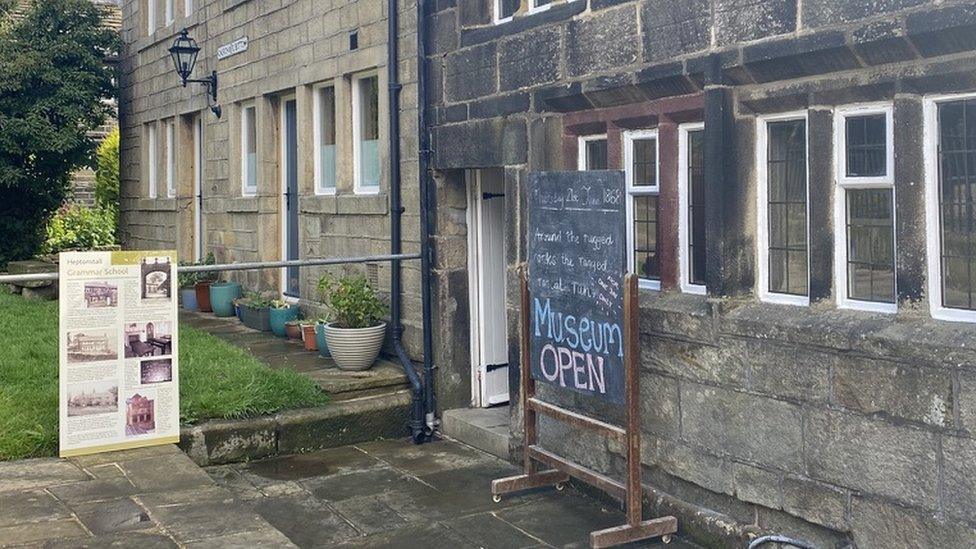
(293,329)
(256,314)
(320,342)
(222,296)
(202,286)
(356,333)
(280,313)
(239,306)
(308,336)
(188,294)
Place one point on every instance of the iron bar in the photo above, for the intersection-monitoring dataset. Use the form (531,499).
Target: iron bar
(41,277)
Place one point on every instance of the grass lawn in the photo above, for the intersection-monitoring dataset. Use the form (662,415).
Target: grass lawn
(217,380)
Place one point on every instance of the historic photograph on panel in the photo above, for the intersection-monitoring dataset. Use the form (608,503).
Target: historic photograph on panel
(148,339)
(156,279)
(140,415)
(92,345)
(93,397)
(156,371)
(101,294)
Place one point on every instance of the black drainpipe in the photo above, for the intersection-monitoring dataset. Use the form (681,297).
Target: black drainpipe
(426,215)
(416,422)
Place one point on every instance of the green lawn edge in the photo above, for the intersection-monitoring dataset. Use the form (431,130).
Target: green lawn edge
(217,380)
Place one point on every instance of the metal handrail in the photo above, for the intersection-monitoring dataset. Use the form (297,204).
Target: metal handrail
(41,277)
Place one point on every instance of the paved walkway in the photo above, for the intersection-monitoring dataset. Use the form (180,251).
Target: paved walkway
(378,494)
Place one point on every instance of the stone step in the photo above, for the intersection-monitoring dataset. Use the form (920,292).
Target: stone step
(337,424)
(486,429)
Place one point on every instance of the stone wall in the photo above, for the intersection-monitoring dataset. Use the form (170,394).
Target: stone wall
(832,425)
(293,45)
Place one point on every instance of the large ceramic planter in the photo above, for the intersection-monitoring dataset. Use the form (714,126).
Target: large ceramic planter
(278,318)
(203,296)
(320,341)
(222,296)
(189,298)
(308,337)
(355,349)
(256,319)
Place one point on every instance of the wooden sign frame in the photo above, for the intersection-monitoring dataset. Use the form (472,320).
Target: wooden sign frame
(561,469)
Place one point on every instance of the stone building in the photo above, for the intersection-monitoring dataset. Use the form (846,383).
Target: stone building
(297,166)
(800,215)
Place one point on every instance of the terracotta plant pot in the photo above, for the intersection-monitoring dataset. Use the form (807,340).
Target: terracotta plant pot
(293,330)
(355,348)
(308,337)
(203,296)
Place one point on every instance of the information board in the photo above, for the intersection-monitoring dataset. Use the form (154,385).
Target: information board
(119,371)
(577,261)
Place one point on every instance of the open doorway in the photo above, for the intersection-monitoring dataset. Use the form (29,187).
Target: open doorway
(486,283)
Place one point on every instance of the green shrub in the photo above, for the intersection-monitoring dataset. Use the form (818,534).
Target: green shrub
(76,227)
(107,173)
(352,301)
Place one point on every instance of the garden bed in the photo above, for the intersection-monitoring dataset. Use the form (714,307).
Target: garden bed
(217,380)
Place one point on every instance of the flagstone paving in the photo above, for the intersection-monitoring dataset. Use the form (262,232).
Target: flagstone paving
(378,494)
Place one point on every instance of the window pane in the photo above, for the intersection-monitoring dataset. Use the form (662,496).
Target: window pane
(596,154)
(507,8)
(957,202)
(540,3)
(327,144)
(696,207)
(645,237)
(866,144)
(645,162)
(870,245)
(251,147)
(369,134)
(786,209)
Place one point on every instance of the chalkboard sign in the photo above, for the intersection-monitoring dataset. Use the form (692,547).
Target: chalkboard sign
(577,260)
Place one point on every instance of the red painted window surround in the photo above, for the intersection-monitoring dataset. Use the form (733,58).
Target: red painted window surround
(663,114)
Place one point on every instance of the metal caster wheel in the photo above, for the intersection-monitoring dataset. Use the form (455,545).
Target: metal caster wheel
(666,539)
(560,486)
(496,498)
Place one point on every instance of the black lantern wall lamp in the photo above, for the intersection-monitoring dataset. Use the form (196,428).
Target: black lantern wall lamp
(184,53)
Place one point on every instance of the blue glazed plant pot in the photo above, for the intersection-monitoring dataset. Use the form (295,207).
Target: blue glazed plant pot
(320,341)
(280,316)
(189,297)
(222,296)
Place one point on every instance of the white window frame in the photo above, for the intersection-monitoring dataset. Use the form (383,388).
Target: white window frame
(317,137)
(152,155)
(496,13)
(846,183)
(933,233)
(170,12)
(197,187)
(644,190)
(245,190)
(170,157)
(187,7)
(581,148)
(762,211)
(357,130)
(151,23)
(535,7)
(684,233)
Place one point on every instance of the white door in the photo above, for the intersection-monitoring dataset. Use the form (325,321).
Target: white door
(198,188)
(486,261)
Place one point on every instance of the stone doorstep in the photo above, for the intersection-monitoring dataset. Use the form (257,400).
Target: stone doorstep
(486,429)
(340,423)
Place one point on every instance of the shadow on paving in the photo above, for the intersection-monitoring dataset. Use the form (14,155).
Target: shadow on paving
(395,494)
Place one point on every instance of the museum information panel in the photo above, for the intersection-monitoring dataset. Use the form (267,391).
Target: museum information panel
(119,377)
(576,239)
